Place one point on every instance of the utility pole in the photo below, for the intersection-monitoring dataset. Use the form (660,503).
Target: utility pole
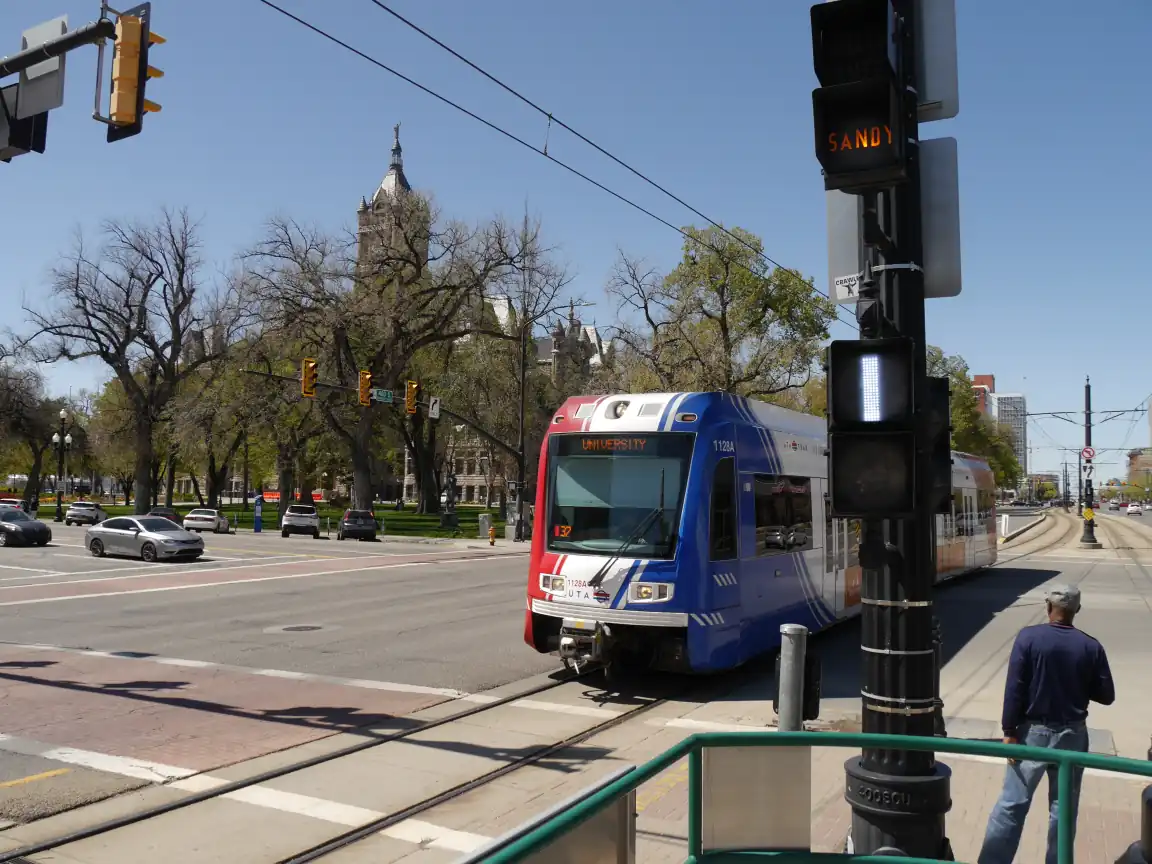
(889,451)
(1088,538)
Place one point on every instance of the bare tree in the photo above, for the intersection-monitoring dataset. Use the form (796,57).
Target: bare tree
(403,283)
(141,305)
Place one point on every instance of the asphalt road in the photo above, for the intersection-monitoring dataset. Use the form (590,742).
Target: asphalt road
(154,671)
(436,614)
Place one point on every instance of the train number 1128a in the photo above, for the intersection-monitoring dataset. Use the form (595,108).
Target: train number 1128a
(725,446)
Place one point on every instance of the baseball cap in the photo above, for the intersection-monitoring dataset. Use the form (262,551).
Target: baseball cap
(1065,597)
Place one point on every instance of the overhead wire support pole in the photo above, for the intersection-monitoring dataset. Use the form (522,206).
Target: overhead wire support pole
(90,33)
(1088,537)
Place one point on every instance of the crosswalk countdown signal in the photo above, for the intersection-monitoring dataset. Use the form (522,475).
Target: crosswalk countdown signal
(365,387)
(858,109)
(130,72)
(411,391)
(308,378)
(871,440)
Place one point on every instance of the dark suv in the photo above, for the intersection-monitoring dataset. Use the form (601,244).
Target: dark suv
(357,525)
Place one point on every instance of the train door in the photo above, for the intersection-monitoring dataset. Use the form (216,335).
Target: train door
(725,621)
(971,528)
(831,584)
(836,559)
(724,572)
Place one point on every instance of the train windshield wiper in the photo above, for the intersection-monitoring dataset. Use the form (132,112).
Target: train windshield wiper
(637,532)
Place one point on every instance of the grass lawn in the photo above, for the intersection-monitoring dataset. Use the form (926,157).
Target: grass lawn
(404,523)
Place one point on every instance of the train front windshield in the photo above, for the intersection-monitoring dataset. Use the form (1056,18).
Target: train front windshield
(614,491)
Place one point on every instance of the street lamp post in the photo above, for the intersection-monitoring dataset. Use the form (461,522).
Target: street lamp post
(62,441)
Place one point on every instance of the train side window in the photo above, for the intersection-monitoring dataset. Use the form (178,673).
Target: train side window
(722,526)
(783,514)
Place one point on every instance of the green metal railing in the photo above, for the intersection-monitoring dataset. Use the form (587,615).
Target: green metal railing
(692,747)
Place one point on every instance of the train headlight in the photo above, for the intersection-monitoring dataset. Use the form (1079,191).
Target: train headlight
(650,592)
(552,583)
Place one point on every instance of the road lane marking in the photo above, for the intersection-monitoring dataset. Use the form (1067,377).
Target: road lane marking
(414,831)
(37,600)
(361,683)
(136,574)
(560,708)
(32,778)
(30,569)
(140,769)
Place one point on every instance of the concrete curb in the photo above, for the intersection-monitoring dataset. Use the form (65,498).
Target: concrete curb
(1026,528)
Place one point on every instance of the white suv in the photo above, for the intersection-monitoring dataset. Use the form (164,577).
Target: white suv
(84,513)
(300,519)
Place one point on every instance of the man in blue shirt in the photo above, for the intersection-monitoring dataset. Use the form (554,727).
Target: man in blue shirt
(1053,673)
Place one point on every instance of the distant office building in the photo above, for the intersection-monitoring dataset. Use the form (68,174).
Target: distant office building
(1011,410)
(984,387)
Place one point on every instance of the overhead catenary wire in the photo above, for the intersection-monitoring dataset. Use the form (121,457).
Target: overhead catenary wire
(541,152)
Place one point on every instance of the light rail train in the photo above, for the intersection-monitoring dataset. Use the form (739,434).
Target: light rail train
(678,531)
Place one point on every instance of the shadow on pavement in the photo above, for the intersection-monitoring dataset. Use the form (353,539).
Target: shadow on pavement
(965,605)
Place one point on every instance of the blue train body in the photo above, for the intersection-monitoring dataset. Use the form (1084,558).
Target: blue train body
(680,530)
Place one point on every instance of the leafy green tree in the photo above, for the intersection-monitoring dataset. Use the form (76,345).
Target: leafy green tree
(1047,491)
(972,431)
(723,319)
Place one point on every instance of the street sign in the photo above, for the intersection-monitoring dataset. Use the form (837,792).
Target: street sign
(379,394)
(846,289)
(1089,470)
(1088,514)
(1088,453)
(433,407)
(940,204)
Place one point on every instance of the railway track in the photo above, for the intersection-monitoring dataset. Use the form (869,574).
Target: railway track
(676,688)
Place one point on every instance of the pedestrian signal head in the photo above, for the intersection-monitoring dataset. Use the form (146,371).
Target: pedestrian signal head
(410,394)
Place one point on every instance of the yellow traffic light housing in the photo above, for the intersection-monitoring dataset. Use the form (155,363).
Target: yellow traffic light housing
(130,72)
(365,387)
(410,394)
(308,378)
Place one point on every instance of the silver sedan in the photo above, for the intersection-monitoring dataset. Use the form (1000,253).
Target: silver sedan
(150,538)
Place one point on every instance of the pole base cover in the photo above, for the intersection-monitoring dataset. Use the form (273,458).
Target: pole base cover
(905,812)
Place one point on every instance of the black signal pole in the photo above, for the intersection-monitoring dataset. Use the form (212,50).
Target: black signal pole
(899,798)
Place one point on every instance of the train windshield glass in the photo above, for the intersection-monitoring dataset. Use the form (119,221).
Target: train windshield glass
(606,490)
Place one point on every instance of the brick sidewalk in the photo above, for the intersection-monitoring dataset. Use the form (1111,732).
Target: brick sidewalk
(1109,812)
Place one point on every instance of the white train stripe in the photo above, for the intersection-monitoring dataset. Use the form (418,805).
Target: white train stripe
(676,403)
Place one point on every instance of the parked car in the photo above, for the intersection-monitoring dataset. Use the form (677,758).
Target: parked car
(18,503)
(203,519)
(357,525)
(170,513)
(84,513)
(150,538)
(17,528)
(300,519)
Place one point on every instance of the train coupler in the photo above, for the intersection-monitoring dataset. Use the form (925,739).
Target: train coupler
(583,642)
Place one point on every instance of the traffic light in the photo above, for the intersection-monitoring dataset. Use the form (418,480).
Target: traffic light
(410,393)
(857,111)
(870,429)
(130,72)
(308,378)
(365,387)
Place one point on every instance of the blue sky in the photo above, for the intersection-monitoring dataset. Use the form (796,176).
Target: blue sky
(262,117)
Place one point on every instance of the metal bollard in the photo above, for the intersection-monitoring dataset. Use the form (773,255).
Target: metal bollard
(790,681)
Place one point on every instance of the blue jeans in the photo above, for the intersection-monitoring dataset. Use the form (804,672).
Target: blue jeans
(1021,780)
